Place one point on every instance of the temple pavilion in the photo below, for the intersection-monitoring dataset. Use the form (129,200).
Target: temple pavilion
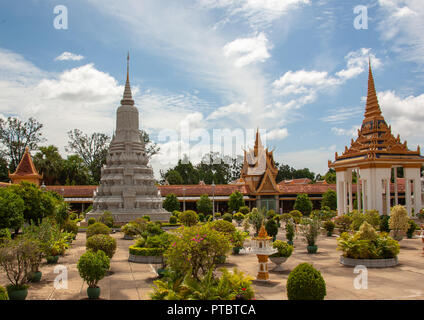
(375,156)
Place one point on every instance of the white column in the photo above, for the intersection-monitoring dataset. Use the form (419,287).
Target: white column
(388,196)
(350,194)
(408,195)
(364,195)
(417,194)
(346,205)
(340,179)
(396,186)
(358,191)
(379,195)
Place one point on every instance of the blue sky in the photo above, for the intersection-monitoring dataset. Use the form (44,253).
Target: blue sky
(297,69)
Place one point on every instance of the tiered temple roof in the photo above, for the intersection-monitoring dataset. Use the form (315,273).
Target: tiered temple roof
(26,170)
(375,141)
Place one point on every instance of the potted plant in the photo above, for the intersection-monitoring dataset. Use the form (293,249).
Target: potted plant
(271,228)
(329,226)
(310,229)
(290,228)
(398,222)
(237,240)
(35,261)
(284,251)
(412,227)
(92,267)
(238,217)
(15,257)
(52,255)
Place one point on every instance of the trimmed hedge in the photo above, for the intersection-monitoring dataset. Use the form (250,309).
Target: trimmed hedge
(102,242)
(305,283)
(137,251)
(97,228)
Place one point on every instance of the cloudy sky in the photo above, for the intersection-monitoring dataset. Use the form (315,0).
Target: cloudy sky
(296,69)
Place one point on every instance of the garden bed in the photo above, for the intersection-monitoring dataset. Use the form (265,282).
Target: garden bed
(369,263)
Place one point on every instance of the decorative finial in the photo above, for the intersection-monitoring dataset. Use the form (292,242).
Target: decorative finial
(127,99)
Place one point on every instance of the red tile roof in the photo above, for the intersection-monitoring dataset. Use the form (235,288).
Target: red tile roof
(73,191)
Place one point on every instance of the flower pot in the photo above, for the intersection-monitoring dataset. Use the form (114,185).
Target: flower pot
(329,233)
(17,294)
(52,259)
(278,261)
(236,250)
(312,249)
(93,293)
(290,242)
(35,276)
(161,272)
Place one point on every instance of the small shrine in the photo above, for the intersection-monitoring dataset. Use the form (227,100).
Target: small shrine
(375,156)
(26,171)
(262,247)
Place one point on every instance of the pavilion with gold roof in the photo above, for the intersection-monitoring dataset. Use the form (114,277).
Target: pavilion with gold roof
(374,154)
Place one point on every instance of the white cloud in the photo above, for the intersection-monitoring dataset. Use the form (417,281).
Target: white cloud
(66,56)
(357,63)
(259,13)
(314,159)
(342,114)
(245,51)
(402,24)
(230,110)
(405,115)
(277,134)
(352,132)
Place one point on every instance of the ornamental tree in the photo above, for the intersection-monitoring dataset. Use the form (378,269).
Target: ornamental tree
(196,249)
(204,205)
(236,201)
(303,204)
(171,203)
(329,199)
(11,210)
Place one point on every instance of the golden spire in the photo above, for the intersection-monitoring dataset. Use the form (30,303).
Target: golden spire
(127,99)
(372,108)
(256,143)
(262,232)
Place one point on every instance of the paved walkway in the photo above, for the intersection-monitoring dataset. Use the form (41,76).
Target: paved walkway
(132,281)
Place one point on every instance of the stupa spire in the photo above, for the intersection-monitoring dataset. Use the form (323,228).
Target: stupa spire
(372,108)
(257,142)
(127,99)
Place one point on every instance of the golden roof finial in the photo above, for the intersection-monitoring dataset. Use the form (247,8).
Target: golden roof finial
(372,108)
(262,232)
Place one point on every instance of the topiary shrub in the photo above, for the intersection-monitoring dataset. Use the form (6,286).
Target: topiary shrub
(305,283)
(343,223)
(384,223)
(107,219)
(3,294)
(412,227)
(97,228)
(223,226)
(102,242)
(296,215)
(93,266)
(271,228)
(91,221)
(284,249)
(244,210)
(227,217)
(71,227)
(201,217)
(217,215)
(270,214)
(238,216)
(188,218)
(329,226)
(398,222)
(173,220)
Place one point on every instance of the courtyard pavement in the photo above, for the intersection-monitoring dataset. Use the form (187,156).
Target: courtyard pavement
(132,281)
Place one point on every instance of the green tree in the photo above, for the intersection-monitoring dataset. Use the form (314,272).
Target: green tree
(4,170)
(329,199)
(11,210)
(330,176)
(152,148)
(236,201)
(49,162)
(38,204)
(303,204)
(171,203)
(91,148)
(16,135)
(75,172)
(174,177)
(204,205)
